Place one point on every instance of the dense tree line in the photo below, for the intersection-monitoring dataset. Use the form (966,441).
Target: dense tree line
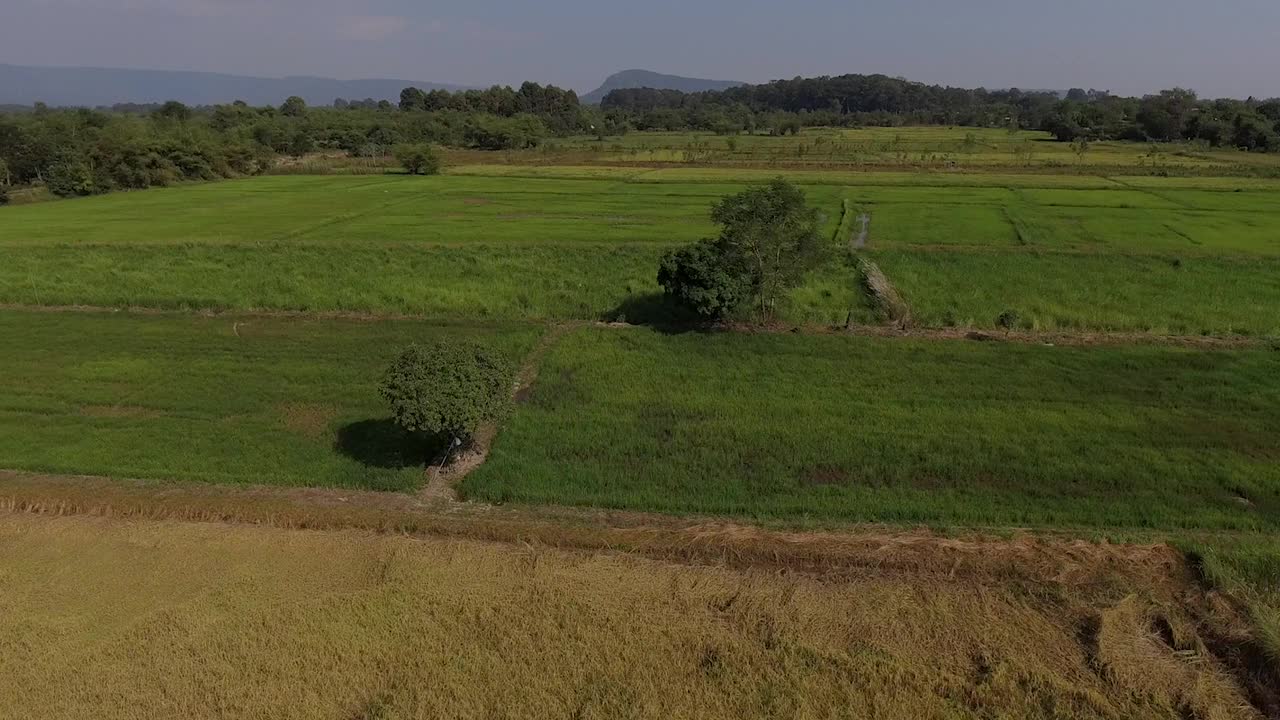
(84,151)
(852,100)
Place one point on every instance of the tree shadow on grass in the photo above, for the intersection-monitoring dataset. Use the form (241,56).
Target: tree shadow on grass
(656,311)
(384,444)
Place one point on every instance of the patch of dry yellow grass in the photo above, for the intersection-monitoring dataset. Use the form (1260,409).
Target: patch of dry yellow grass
(108,618)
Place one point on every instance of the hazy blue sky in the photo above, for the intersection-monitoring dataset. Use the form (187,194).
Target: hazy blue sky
(1231,47)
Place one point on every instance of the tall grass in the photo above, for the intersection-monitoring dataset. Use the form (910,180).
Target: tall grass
(945,432)
(573,244)
(1084,291)
(1249,569)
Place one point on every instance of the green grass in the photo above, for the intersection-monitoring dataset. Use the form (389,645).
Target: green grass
(915,147)
(787,426)
(1179,255)
(1170,260)
(1084,291)
(943,432)
(232,399)
(1249,569)
(447,247)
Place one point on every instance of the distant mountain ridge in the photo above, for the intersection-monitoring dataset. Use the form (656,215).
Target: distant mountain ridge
(93,87)
(648,79)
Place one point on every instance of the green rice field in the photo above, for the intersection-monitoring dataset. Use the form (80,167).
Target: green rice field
(766,425)
(895,147)
(1176,439)
(1144,254)
(929,431)
(247,400)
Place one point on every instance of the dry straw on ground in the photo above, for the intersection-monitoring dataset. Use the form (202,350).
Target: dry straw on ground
(112,618)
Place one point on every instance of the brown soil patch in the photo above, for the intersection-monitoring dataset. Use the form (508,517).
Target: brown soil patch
(827,475)
(118,411)
(307,419)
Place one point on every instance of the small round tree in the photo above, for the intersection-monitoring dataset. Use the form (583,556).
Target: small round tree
(418,159)
(448,388)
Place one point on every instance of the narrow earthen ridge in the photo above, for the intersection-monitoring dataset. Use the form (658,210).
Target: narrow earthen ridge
(241,319)
(843,228)
(445,472)
(849,550)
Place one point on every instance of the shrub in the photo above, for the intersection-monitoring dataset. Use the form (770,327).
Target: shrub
(698,278)
(487,132)
(418,159)
(1009,319)
(70,177)
(768,242)
(448,388)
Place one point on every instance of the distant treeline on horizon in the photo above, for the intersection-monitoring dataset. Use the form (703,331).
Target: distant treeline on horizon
(85,151)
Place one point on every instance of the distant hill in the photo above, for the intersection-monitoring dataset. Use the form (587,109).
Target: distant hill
(93,87)
(658,81)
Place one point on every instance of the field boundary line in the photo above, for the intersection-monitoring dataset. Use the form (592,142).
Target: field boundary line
(837,549)
(342,218)
(1153,193)
(1016,224)
(1039,337)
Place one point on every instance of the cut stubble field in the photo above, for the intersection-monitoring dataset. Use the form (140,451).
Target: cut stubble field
(896,148)
(219,621)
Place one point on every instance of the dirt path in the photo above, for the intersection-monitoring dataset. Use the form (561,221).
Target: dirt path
(444,474)
(860,240)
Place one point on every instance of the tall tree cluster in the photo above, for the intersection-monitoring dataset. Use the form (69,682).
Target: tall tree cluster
(87,151)
(851,100)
